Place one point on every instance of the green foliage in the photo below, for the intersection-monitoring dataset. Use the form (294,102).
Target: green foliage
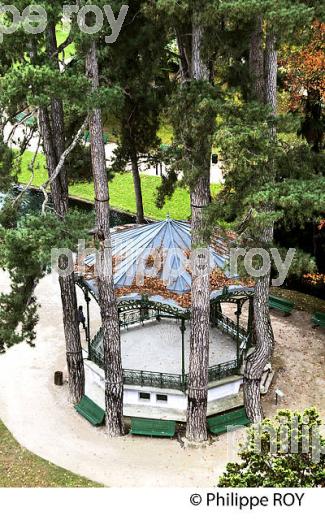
(7,174)
(25,252)
(193,111)
(47,82)
(193,115)
(302,263)
(138,64)
(261,172)
(295,202)
(267,460)
(285,16)
(8,214)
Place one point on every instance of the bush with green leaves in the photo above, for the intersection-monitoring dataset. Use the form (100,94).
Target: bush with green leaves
(287,451)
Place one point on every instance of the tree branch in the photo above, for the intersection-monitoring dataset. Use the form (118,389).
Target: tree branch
(60,164)
(32,165)
(12,131)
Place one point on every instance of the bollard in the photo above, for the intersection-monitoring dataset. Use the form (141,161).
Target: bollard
(58,378)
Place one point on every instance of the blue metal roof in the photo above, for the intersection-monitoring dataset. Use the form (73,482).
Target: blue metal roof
(133,247)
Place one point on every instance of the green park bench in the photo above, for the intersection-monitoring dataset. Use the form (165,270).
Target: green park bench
(218,424)
(152,427)
(318,319)
(87,137)
(30,121)
(281,304)
(91,411)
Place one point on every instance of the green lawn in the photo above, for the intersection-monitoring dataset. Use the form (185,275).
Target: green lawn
(21,468)
(121,191)
(61,35)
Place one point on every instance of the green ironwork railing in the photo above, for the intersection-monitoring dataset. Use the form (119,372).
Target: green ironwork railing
(229,326)
(160,379)
(155,379)
(137,316)
(141,311)
(142,377)
(218,372)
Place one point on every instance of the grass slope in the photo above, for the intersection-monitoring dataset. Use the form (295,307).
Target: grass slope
(303,302)
(21,468)
(121,191)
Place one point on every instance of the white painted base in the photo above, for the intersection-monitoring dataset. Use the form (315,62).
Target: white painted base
(222,395)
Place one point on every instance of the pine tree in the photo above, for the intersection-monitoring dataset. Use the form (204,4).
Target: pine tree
(137,63)
(105,281)
(42,71)
(52,130)
(193,112)
(26,242)
(254,164)
(263,75)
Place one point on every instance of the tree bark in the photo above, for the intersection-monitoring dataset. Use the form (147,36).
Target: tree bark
(263,333)
(137,188)
(67,285)
(196,427)
(263,342)
(107,299)
(75,362)
(256,60)
(184,62)
(52,130)
(271,73)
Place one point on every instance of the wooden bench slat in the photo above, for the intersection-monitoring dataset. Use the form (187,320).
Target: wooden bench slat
(90,411)
(152,427)
(319,319)
(281,304)
(218,423)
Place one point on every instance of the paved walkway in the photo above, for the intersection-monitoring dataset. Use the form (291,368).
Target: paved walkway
(40,418)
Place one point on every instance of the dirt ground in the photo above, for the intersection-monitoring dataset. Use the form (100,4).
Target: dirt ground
(40,418)
(299,364)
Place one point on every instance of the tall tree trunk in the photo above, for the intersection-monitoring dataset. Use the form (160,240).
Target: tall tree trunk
(256,61)
(271,73)
(75,362)
(67,286)
(196,428)
(200,312)
(107,299)
(52,129)
(263,339)
(184,52)
(263,333)
(137,187)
